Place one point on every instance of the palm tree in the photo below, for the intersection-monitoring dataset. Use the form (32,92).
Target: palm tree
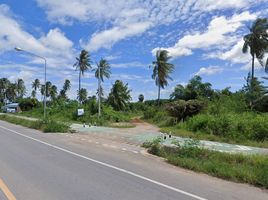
(21,89)
(119,96)
(257,41)
(102,71)
(141,98)
(4,84)
(53,92)
(161,70)
(82,64)
(65,88)
(35,86)
(82,95)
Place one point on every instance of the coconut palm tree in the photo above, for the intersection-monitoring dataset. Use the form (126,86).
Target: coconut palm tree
(53,92)
(102,71)
(161,70)
(35,86)
(257,42)
(82,64)
(66,87)
(119,96)
(82,95)
(21,89)
(141,98)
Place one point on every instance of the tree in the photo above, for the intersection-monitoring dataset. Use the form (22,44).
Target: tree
(178,93)
(11,92)
(53,92)
(82,64)
(102,71)
(21,89)
(254,91)
(193,90)
(35,86)
(4,84)
(82,95)
(161,70)
(66,87)
(141,98)
(257,41)
(119,96)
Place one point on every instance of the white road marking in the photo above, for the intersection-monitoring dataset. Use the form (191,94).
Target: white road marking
(108,165)
(124,149)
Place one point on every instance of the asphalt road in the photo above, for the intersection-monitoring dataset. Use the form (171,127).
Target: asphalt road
(34,165)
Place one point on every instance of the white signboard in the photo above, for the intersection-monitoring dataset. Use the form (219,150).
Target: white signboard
(80,112)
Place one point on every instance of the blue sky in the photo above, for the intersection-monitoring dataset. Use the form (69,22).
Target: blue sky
(203,37)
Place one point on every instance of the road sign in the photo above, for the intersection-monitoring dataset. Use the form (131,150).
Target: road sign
(80,111)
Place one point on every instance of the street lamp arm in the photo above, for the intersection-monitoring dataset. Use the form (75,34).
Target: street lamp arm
(20,49)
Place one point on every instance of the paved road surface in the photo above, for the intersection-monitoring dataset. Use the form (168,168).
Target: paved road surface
(34,165)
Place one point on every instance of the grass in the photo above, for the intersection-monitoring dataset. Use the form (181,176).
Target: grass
(250,169)
(121,125)
(47,127)
(177,131)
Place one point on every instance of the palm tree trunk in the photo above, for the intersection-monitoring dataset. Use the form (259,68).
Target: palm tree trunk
(79,86)
(252,68)
(158,94)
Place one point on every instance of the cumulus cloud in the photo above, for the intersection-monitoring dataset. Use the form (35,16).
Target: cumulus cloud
(131,17)
(220,33)
(107,38)
(211,70)
(54,45)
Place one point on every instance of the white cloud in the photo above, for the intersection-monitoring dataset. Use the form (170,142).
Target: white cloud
(211,70)
(54,45)
(220,34)
(131,17)
(107,38)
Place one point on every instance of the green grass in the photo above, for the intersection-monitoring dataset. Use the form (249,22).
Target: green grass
(178,131)
(250,169)
(48,127)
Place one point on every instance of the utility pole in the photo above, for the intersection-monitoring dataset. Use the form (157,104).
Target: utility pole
(99,93)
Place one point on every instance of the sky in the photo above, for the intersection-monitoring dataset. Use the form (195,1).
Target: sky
(203,37)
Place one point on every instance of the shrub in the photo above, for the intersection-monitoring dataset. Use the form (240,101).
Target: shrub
(244,126)
(55,127)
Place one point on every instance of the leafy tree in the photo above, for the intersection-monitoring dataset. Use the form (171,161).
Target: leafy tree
(119,96)
(35,86)
(141,98)
(178,93)
(82,95)
(193,90)
(82,64)
(161,70)
(182,109)
(257,42)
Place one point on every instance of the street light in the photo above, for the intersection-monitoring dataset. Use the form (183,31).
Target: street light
(45,92)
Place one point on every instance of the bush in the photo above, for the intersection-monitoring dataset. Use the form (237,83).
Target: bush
(55,127)
(244,126)
(182,109)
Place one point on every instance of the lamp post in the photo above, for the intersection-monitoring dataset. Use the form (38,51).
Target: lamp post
(45,92)
(99,102)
